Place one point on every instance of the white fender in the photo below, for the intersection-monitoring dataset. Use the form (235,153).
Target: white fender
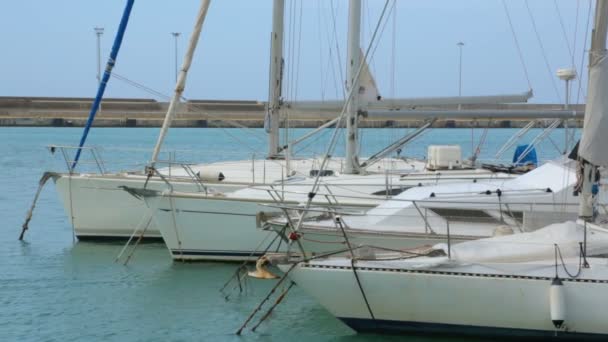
(557,302)
(210,176)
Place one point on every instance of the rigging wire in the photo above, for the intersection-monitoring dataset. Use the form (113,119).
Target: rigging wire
(575,37)
(299,55)
(332,144)
(367,14)
(339,55)
(544,53)
(330,61)
(372,53)
(319,25)
(572,50)
(160,95)
(580,83)
(393,51)
(578,72)
(518,47)
(563,26)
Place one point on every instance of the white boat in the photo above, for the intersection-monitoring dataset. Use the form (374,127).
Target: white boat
(548,284)
(222,225)
(98,208)
(492,287)
(425,215)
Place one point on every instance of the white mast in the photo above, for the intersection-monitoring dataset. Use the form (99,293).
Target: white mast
(592,147)
(276,72)
(354,60)
(181,79)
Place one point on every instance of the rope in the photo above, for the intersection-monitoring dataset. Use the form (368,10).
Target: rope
(369,308)
(276,303)
(519,52)
(274,288)
(340,224)
(243,265)
(558,252)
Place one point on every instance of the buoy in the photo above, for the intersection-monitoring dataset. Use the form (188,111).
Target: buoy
(260,270)
(557,302)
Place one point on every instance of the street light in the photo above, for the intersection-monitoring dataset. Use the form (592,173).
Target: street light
(175,36)
(460,45)
(566,75)
(99,33)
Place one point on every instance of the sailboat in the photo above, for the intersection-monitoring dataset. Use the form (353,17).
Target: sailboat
(221,225)
(98,206)
(425,215)
(549,284)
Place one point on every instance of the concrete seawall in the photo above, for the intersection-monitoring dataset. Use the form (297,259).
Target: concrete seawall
(73,112)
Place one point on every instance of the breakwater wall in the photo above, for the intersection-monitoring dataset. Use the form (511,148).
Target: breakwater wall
(73,112)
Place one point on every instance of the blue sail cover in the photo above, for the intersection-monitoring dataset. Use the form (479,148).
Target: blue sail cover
(106,77)
(529,158)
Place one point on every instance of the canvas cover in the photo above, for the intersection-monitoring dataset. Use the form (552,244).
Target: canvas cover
(594,140)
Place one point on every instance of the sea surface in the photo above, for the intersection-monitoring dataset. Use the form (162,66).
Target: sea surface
(53,288)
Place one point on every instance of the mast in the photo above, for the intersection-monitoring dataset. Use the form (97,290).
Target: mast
(592,149)
(276,75)
(124,21)
(181,79)
(354,60)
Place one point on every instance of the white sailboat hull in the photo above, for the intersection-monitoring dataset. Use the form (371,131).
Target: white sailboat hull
(447,301)
(199,227)
(99,208)
(214,229)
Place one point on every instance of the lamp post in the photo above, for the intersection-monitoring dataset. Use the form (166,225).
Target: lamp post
(566,75)
(175,36)
(460,45)
(99,33)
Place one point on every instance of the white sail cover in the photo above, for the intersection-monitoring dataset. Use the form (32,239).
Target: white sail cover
(594,141)
(533,246)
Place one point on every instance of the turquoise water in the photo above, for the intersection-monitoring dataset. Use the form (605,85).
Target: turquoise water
(53,288)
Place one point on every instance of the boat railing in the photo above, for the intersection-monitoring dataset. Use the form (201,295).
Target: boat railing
(190,174)
(453,221)
(90,155)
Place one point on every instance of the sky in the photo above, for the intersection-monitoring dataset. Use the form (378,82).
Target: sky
(49,47)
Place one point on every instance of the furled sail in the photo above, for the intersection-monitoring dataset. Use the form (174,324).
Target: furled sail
(595,130)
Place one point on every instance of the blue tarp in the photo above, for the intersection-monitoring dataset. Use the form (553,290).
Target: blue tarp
(529,158)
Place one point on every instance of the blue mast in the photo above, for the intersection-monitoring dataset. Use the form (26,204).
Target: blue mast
(106,77)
